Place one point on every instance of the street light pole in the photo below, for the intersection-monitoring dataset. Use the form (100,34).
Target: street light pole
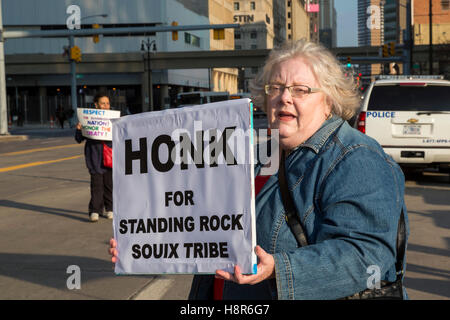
(408,40)
(430,48)
(147,45)
(73,75)
(73,84)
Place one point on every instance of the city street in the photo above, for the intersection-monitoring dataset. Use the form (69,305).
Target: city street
(44,229)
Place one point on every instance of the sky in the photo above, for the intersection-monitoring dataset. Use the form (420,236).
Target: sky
(347,22)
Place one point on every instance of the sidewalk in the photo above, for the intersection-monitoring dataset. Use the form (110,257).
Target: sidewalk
(29,131)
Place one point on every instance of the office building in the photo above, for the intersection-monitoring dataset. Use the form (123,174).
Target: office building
(371,30)
(327,24)
(297,20)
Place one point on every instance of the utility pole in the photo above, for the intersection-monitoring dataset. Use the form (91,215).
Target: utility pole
(430,48)
(3,107)
(147,45)
(408,40)
(73,83)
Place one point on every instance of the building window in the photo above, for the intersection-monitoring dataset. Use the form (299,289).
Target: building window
(253,47)
(253,35)
(195,41)
(252,5)
(254,70)
(289,15)
(445,4)
(289,4)
(267,19)
(191,39)
(236,6)
(237,35)
(289,26)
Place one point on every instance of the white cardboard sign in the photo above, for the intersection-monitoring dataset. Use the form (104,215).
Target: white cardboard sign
(95,123)
(183,190)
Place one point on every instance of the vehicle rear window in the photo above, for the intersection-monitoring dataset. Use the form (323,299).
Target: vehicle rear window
(218,98)
(190,99)
(410,98)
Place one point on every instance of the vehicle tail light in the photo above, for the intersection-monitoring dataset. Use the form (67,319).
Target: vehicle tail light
(362,122)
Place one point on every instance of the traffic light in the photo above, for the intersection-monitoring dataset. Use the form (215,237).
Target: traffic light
(219,34)
(75,54)
(385,50)
(392,48)
(349,62)
(96,38)
(174,33)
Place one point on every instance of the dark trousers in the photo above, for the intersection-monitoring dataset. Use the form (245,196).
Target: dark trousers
(101,192)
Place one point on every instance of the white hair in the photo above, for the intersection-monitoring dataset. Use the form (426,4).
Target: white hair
(339,89)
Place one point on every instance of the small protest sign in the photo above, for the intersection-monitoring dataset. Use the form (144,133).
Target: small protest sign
(184,190)
(95,123)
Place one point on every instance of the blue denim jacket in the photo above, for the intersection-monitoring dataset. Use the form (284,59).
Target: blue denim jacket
(349,195)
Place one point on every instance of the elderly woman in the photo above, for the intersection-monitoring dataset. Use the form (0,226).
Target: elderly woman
(347,193)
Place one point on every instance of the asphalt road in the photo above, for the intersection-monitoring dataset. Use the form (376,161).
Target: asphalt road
(44,229)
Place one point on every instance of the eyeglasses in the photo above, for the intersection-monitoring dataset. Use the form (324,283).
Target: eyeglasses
(296,91)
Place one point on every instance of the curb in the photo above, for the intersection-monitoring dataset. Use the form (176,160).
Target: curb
(8,138)
(175,285)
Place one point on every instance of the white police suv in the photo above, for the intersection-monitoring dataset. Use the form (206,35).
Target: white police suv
(410,117)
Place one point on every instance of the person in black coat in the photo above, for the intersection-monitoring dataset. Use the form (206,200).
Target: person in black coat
(101,177)
(61,116)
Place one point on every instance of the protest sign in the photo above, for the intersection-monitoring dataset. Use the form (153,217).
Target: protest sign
(95,123)
(183,190)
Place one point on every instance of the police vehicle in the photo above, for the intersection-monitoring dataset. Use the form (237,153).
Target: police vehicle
(410,117)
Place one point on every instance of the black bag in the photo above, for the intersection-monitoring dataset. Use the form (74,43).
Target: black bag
(388,290)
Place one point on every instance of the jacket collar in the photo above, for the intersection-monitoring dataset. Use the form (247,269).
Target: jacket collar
(317,140)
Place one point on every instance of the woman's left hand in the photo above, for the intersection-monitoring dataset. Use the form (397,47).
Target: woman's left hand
(265,270)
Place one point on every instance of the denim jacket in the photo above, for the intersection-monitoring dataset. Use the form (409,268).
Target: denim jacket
(349,195)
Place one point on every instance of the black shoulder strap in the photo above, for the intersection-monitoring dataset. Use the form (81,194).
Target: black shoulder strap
(294,223)
(292,217)
(401,245)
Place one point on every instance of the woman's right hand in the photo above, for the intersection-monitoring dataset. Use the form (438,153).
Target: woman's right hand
(112,250)
(78,126)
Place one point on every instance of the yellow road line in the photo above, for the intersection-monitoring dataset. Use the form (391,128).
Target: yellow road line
(40,149)
(32,164)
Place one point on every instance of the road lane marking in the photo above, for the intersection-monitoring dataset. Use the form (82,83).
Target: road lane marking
(32,164)
(39,149)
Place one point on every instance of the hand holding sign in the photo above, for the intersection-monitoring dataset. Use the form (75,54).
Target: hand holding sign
(266,267)
(112,250)
(265,270)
